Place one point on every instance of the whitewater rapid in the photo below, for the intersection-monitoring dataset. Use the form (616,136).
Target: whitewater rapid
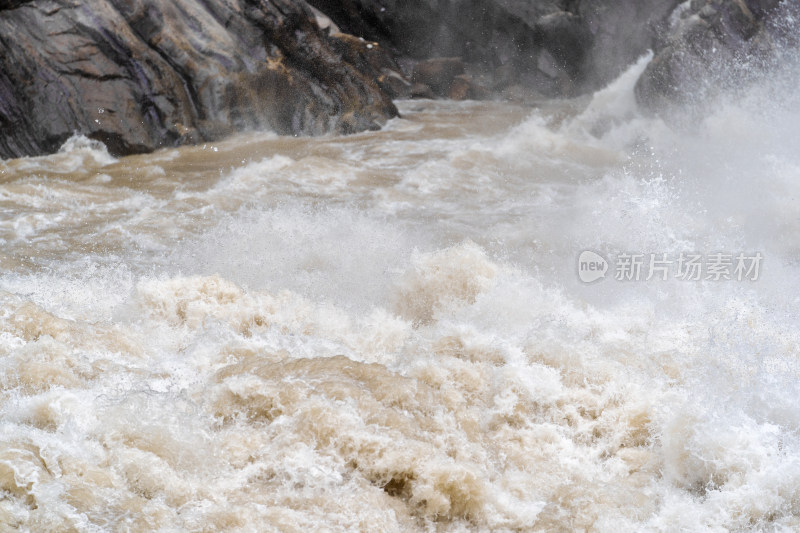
(388,331)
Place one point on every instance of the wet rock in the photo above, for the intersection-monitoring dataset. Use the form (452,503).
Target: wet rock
(438,73)
(372,58)
(522,94)
(143,74)
(324,22)
(567,39)
(763,8)
(368,56)
(459,88)
(464,87)
(420,90)
(504,76)
(557,47)
(395,84)
(622,32)
(707,45)
(11,4)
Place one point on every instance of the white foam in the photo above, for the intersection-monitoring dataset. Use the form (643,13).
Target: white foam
(387,332)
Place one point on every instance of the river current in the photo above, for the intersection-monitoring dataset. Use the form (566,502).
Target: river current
(392,331)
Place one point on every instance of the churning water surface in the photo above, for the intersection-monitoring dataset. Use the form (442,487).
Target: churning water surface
(388,331)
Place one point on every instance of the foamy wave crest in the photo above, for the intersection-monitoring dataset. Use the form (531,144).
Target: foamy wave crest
(78,154)
(443,279)
(480,398)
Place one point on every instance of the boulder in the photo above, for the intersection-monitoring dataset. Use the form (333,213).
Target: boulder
(395,84)
(420,90)
(706,45)
(143,74)
(438,73)
(464,87)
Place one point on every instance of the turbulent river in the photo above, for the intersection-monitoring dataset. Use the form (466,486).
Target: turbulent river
(392,331)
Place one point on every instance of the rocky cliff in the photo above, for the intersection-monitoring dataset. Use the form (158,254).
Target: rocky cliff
(142,74)
(555,47)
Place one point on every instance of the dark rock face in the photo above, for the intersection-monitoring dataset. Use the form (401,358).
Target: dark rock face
(622,30)
(445,77)
(371,58)
(140,74)
(11,4)
(438,73)
(706,45)
(555,47)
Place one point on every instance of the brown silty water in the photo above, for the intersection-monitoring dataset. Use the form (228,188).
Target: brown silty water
(386,331)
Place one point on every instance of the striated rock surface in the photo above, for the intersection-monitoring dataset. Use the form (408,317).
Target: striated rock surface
(706,45)
(142,74)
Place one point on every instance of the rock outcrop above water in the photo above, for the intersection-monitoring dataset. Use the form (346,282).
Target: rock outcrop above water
(706,45)
(553,47)
(142,74)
